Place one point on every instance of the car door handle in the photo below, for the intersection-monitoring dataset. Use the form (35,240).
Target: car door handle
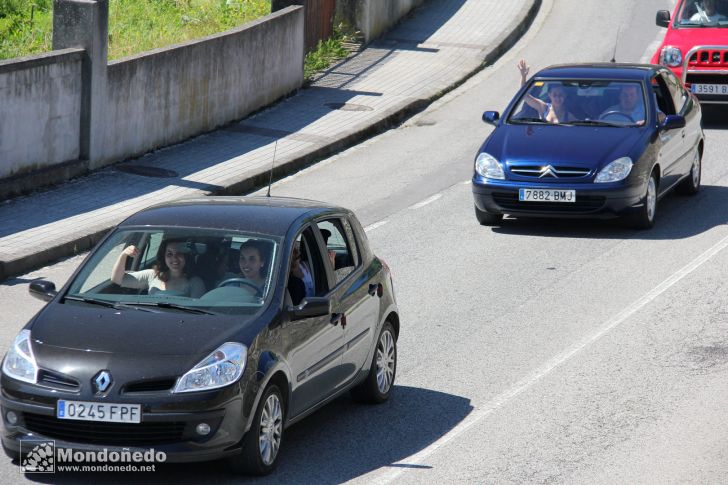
(683,134)
(336,318)
(373,289)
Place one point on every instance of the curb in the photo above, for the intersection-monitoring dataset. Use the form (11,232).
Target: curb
(391,118)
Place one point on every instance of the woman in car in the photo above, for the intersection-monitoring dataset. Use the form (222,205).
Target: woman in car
(553,112)
(168,276)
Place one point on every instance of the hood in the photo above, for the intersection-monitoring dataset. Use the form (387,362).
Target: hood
(135,332)
(687,38)
(578,146)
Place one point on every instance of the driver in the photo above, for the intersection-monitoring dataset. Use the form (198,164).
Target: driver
(708,14)
(630,104)
(252,263)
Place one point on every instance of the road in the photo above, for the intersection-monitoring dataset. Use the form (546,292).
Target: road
(535,351)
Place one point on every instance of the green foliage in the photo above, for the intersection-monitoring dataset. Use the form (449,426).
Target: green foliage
(327,52)
(134,25)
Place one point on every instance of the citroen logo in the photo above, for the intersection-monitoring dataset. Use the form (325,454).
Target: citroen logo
(102,381)
(548,170)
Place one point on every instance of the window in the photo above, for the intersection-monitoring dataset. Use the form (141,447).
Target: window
(677,93)
(342,258)
(663,96)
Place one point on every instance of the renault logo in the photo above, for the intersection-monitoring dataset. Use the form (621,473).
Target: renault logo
(548,170)
(102,381)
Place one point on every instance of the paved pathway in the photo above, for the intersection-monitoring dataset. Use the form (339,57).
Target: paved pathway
(430,52)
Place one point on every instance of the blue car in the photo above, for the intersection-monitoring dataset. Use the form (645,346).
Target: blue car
(590,140)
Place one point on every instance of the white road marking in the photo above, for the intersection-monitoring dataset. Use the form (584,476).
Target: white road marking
(482,412)
(371,227)
(428,200)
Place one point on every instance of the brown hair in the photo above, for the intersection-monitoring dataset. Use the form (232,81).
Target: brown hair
(161,270)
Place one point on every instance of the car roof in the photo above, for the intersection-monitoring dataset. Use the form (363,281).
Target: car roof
(264,215)
(606,70)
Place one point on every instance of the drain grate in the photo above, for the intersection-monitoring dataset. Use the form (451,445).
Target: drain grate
(146,171)
(348,107)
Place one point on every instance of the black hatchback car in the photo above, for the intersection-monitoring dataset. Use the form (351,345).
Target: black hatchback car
(202,328)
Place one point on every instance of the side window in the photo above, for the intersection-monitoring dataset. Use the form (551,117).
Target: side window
(678,94)
(353,243)
(663,96)
(341,257)
(307,273)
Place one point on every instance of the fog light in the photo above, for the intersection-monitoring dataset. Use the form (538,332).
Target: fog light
(11,418)
(203,429)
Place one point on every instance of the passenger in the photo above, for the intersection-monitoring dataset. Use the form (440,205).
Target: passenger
(300,270)
(708,15)
(252,262)
(168,276)
(553,112)
(630,104)
(297,288)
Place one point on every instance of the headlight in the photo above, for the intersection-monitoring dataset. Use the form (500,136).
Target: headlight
(487,166)
(19,362)
(670,56)
(615,171)
(219,369)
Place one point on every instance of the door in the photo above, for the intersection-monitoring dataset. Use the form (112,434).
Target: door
(671,141)
(354,297)
(315,344)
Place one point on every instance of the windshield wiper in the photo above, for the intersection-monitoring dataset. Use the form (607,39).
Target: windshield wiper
(104,303)
(594,123)
(164,304)
(527,120)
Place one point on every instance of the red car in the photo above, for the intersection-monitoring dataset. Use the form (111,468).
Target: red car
(696,47)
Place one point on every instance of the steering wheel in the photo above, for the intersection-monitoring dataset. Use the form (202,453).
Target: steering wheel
(239,282)
(618,113)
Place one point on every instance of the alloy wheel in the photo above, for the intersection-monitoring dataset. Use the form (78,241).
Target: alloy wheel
(386,356)
(695,171)
(271,429)
(651,199)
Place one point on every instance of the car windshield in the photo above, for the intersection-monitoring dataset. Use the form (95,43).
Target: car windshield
(581,102)
(181,270)
(703,13)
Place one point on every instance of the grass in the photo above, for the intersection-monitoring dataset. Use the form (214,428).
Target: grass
(327,52)
(26,27)
(134,25)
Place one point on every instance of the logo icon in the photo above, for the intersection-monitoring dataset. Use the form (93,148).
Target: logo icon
(548,170)
(102,381)
(40,459)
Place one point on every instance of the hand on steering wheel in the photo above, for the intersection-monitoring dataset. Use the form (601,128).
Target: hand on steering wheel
(616,113)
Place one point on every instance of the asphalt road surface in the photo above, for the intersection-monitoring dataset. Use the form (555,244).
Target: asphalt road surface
(536,351)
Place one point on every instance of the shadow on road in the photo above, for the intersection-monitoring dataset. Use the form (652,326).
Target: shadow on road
(340,442)
(715,117)
(678,217)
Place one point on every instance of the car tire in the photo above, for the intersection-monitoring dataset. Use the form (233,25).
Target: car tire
(691,185)
(262,443)
(645,217)
(378,384)
(486,218)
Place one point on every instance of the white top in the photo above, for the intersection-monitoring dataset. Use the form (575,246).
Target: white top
(147,279)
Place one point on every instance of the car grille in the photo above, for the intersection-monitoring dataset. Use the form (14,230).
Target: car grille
(706,78)
(150,385)
(709,58)
(583,204)
(542,171)
(114,434)
(57,381)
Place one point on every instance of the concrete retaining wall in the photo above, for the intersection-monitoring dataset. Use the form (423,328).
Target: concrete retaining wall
(40,111)
(374,17)
(164,96)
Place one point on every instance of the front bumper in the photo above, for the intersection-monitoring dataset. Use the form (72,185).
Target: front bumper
(706,64)
(167,425)
(602,201)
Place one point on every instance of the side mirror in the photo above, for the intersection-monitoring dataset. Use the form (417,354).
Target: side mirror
(310,307)
(662,18)
(672,122)
(491,117)
(43,290)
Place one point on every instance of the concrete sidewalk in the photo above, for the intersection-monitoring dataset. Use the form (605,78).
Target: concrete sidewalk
(429,53)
